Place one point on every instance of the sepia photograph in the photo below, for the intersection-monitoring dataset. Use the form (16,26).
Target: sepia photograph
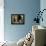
(17,18)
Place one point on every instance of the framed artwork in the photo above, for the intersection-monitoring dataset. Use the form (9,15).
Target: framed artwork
(17,18)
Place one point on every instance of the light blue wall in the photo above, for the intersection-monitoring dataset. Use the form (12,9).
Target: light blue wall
(27,7)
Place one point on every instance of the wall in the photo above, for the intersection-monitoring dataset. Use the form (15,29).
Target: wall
(27,7)
(43,6)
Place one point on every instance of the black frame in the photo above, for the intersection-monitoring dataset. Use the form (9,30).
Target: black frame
(17,15)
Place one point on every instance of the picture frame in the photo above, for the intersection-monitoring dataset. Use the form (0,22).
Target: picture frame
(17,18)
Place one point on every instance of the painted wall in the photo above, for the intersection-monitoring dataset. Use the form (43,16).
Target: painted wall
(27,7)
(43,6)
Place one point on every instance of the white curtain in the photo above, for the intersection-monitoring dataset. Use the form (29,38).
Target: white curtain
(1,20)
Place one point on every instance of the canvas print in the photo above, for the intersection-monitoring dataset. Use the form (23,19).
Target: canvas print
(17,19)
